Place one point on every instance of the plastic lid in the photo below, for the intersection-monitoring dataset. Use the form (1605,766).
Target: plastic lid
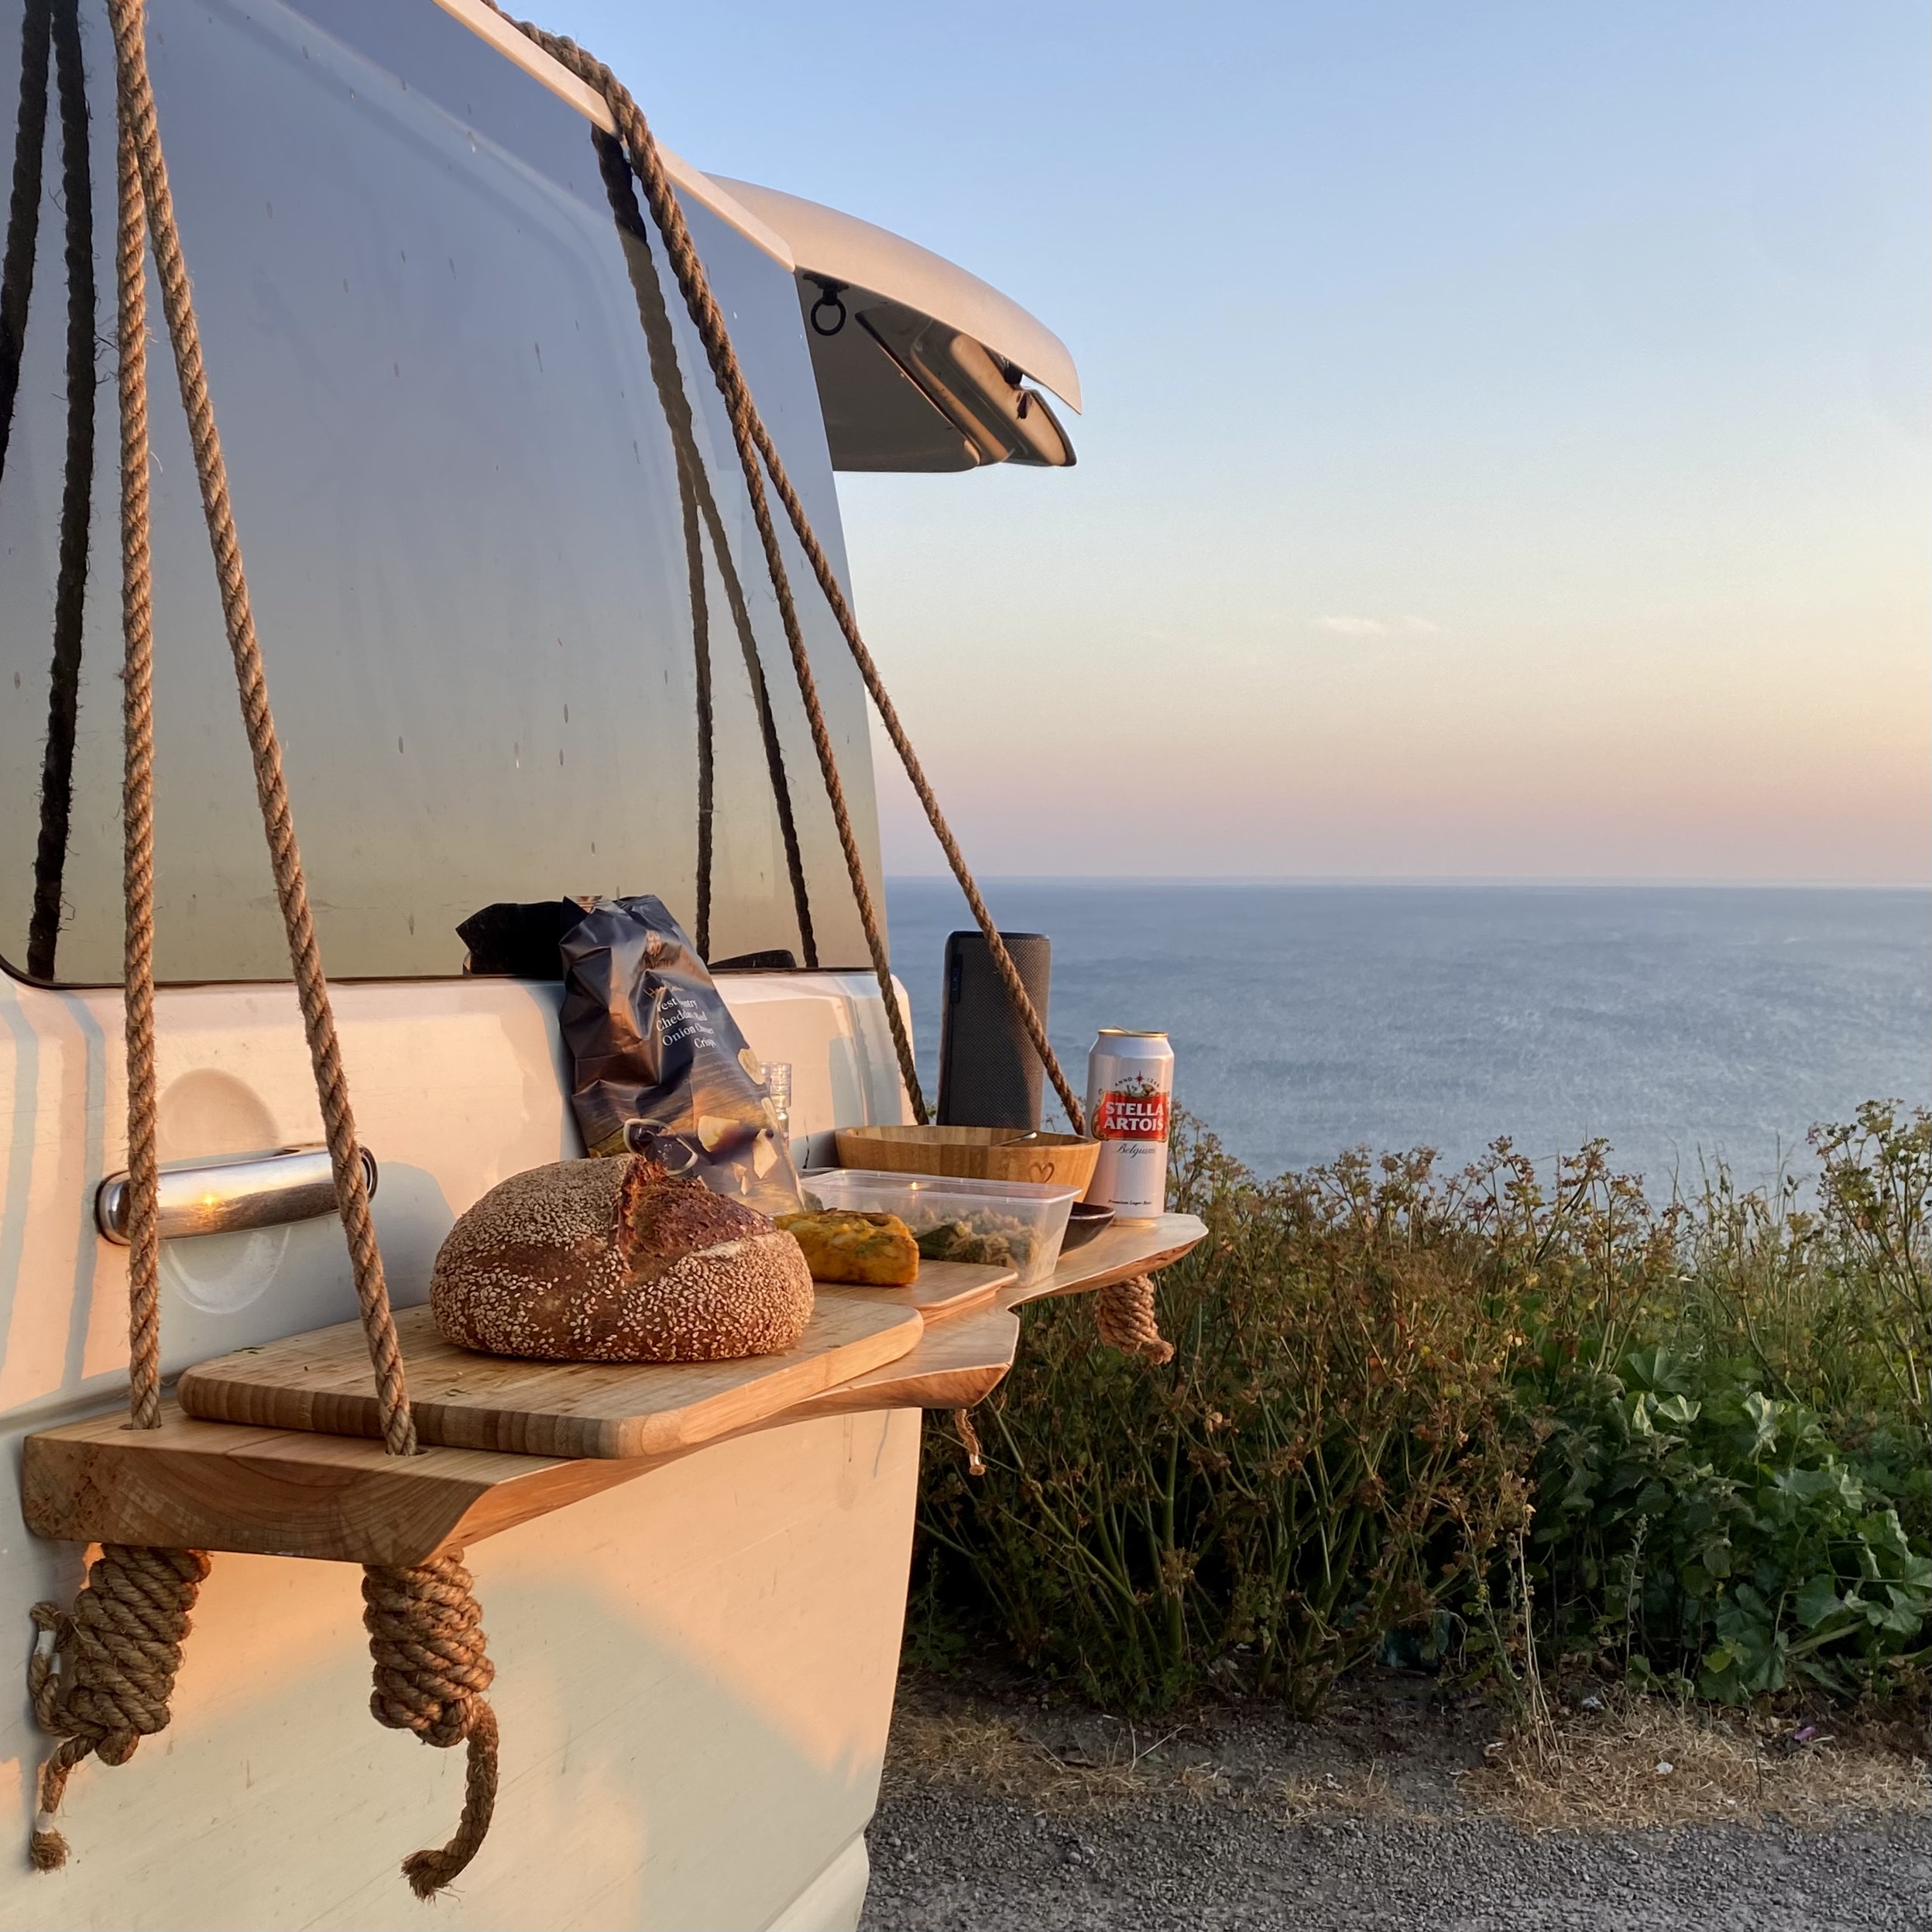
(878,1178)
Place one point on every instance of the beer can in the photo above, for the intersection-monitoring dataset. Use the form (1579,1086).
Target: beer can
(1129,1097)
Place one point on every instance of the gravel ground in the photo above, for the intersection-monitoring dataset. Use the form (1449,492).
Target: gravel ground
(998,1812)
(941,1861)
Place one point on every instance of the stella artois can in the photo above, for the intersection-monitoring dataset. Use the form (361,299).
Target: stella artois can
(1129,1092)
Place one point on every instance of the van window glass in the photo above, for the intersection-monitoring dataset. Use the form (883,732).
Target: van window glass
(457,478)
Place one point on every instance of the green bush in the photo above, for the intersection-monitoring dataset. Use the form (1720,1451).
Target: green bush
(1720,1532)
(1690,1441)
(1745,1497)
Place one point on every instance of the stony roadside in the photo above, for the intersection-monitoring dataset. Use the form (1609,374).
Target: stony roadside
(1396,1810)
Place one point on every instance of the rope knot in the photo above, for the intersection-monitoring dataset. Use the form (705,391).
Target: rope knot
(1124,1317)
(102,1674)
(426,1634)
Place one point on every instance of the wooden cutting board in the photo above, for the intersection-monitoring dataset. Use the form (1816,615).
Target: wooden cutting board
(322,1381)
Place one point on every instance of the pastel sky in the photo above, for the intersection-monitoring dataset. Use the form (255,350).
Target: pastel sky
(1509,436)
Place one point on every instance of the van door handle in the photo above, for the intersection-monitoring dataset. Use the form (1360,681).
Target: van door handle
(217,1197)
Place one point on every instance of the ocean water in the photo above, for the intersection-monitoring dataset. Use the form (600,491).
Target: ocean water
(1676,1022)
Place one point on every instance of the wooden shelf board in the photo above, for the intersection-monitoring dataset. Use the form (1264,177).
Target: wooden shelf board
(286,1493)
(952,1366)
(1117,1254)
(221,1486)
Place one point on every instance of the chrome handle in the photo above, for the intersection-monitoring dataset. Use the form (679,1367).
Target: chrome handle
(217,1197)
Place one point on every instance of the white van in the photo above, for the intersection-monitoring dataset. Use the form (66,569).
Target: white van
(456,484)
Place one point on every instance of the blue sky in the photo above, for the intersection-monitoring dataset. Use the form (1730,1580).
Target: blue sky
(1508,434)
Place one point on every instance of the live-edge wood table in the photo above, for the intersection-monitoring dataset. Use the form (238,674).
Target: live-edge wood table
(223,1486)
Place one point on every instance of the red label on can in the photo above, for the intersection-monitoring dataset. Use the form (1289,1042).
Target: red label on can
(1135,1112)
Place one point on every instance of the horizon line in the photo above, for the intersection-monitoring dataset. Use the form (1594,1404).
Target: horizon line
(1449,880)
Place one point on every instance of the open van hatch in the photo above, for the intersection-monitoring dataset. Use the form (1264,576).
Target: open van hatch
(919,366)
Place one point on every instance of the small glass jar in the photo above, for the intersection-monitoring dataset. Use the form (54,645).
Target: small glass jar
(778,1079)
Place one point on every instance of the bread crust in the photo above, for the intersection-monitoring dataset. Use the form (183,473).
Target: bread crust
(613,1260)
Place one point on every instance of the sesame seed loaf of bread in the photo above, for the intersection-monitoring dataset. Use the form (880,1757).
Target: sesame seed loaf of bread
(615,1261)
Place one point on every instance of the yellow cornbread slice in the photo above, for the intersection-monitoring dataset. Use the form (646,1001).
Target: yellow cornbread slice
(874,1250)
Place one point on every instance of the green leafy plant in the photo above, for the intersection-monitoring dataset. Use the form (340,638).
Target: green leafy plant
(1767,1556)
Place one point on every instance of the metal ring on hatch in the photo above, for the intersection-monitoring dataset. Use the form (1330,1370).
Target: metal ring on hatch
(828,294)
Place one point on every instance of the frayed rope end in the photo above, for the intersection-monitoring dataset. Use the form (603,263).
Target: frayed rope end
(969,1442)
(428,1873)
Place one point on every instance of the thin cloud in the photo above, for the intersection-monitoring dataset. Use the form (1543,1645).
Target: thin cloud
(1382,626)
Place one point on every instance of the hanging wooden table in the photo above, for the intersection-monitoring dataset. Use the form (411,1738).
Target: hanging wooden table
(219,1486)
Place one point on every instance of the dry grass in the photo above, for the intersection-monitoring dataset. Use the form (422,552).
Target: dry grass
(1628,1765)
(995,1755)
(971,1750)
(1645,1762)
(1637,1763)
(1362,1793)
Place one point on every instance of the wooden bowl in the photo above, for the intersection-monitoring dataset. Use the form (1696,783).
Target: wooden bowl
(972,1153)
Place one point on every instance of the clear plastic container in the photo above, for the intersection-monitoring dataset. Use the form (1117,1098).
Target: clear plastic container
(1017,1224)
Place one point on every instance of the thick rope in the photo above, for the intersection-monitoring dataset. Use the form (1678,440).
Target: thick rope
(23,210)
(76,502)
(102,1679)
(705,313)
(101,1675)
(1124,1317)
(1130,1310)
(424,1624)
(426,1635)
(756,447)
(698,503)
(707,731)
(706,503)
(318,1020)
(137,790)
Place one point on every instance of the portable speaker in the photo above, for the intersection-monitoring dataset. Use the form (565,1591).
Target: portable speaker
(989,1074)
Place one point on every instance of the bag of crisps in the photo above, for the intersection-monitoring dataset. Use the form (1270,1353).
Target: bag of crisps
(659,1066)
